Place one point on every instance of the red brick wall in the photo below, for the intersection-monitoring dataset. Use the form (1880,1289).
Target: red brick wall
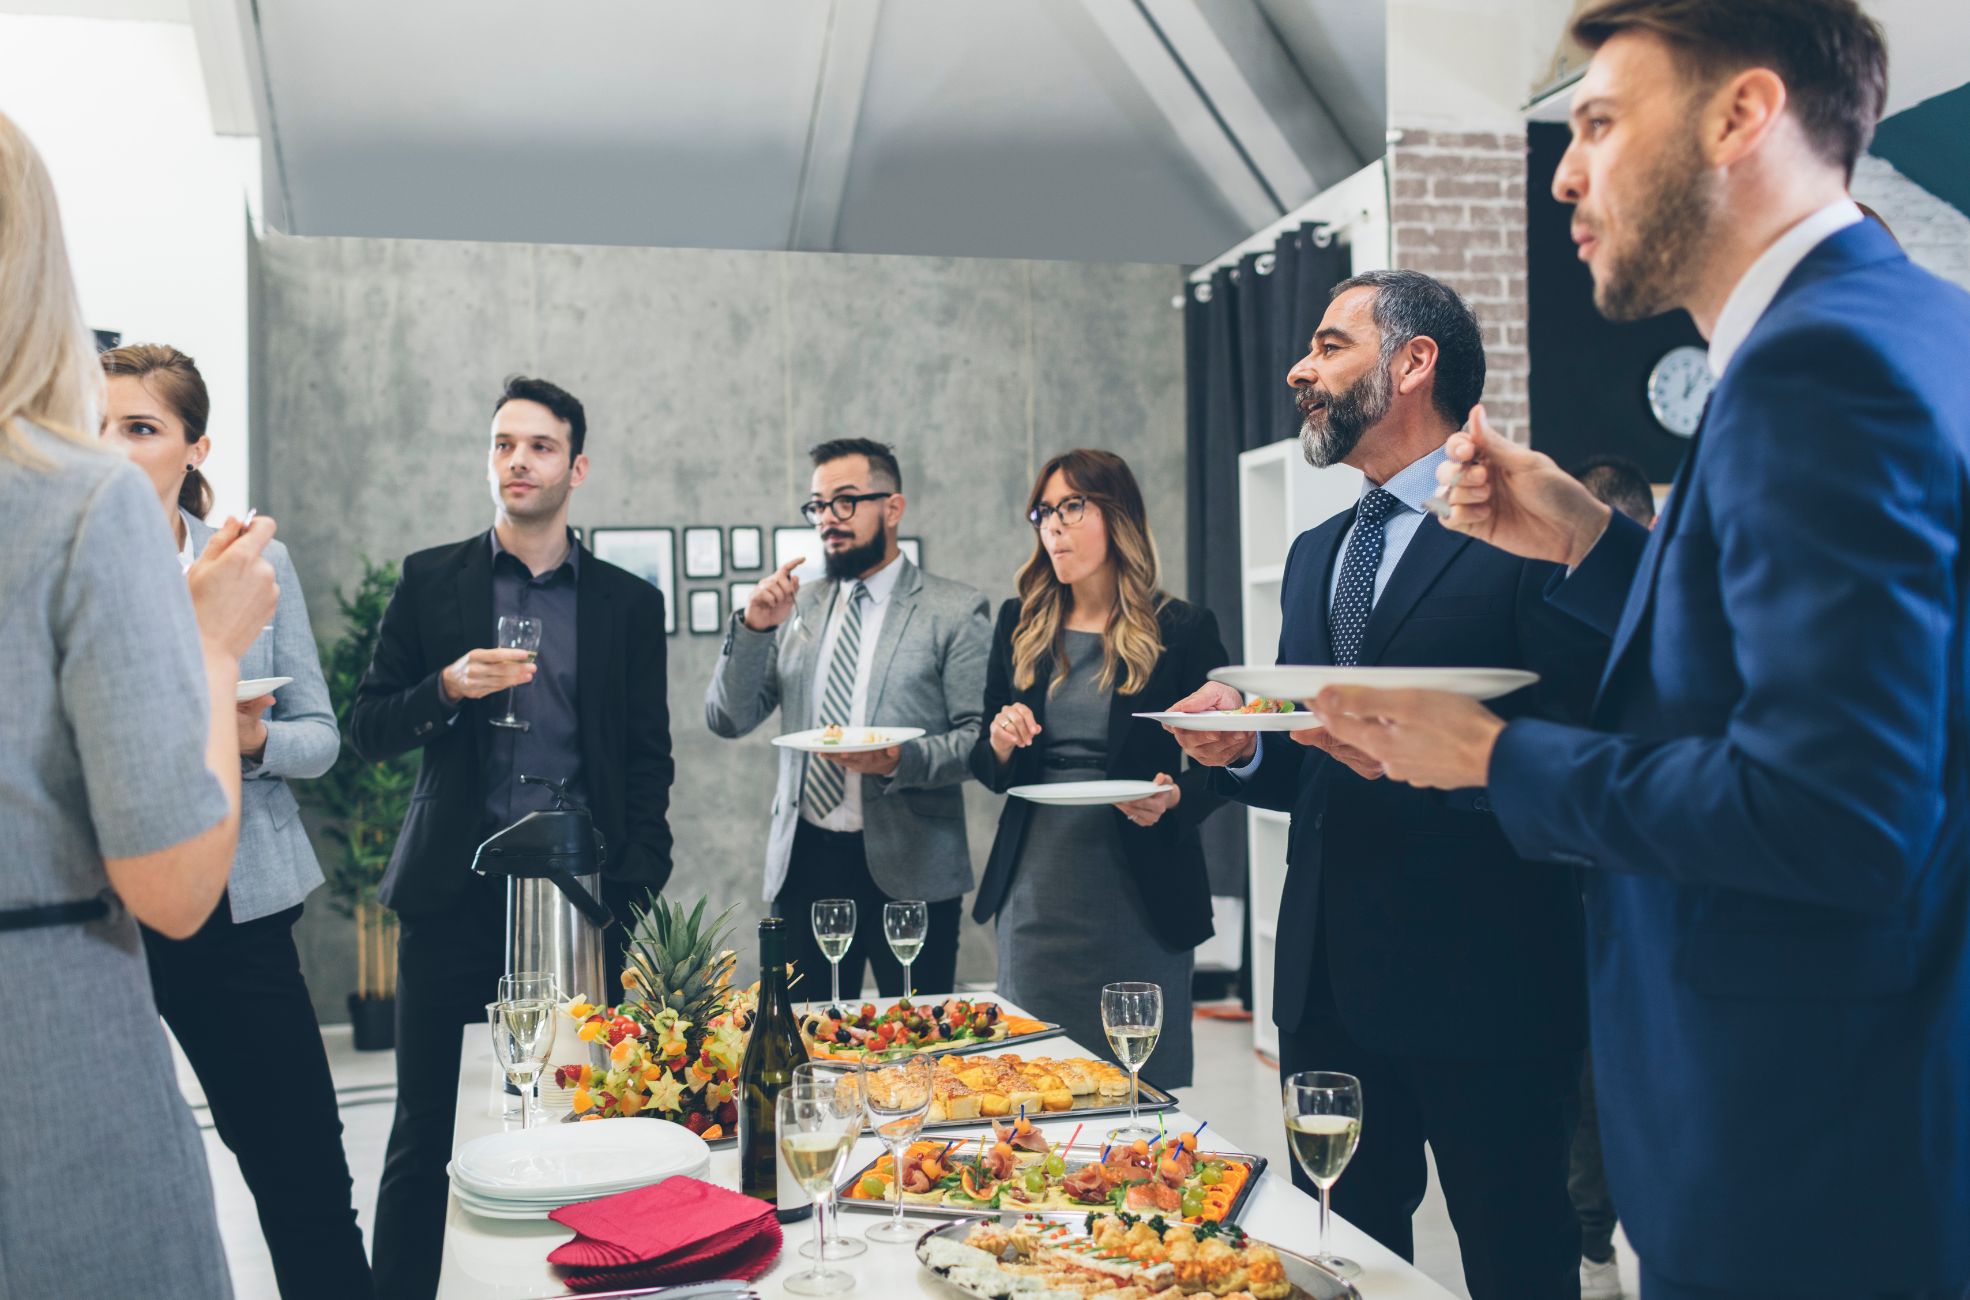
(1457,212)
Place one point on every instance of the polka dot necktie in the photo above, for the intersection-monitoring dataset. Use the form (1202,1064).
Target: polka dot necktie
(1354,599)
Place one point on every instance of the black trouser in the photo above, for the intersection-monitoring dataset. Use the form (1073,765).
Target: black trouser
(448,968)
(829,864)
(234,997)
(1500,1131)
(1586,1180)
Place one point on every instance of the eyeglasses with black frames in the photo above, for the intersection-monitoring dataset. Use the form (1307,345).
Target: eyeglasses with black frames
(1069,512)
(841,507)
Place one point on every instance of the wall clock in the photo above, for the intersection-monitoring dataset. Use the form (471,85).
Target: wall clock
(1678,387)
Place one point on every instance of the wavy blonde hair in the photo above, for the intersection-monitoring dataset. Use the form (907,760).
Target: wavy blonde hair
(48,373)
(1132,641)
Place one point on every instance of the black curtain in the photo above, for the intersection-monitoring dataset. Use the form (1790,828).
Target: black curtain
(1241,336)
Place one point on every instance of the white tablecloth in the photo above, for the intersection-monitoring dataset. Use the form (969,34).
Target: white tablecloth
(492,1259)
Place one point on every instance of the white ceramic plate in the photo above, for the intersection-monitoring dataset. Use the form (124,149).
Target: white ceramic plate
(1085,794)
(1298,720)
(254,687)
(1304,681)
(492,1207)
(578,1160)
(855,741)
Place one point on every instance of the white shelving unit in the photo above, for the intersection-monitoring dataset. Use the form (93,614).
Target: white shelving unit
(1280,496)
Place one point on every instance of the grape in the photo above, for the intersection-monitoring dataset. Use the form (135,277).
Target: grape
(1036,1182)
(1211,1177)
(1193,1203)
(1056,1165)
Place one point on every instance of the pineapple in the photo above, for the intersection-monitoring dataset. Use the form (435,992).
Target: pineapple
(677,963)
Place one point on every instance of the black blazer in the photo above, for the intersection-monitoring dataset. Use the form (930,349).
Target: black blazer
(1167,859)
(1438,939)
(441,608)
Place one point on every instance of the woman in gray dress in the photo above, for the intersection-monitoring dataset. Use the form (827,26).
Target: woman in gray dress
(1090,896)
(119,802)
(242,963)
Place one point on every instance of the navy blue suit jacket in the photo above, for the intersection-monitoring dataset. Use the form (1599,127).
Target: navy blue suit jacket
(1438,940)
(1775,801)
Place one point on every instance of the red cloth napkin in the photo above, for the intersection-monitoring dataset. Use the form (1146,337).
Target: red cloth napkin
(681,1230)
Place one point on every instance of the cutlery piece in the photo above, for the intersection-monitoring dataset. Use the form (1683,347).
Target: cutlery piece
(1436,505)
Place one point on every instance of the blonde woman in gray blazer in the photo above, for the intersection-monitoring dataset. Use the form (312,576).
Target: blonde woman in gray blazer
(241,967)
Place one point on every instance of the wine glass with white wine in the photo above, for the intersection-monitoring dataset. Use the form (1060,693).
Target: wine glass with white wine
(523,1034)
(847,1080)
(818,1120)
(516,633)
(834,931)
(905,924)
(1323,1126)
(1132,1017)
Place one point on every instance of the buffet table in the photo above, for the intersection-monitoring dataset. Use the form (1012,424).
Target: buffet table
(490,1258)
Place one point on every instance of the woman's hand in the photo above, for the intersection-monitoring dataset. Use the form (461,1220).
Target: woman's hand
(251,717)
(1149,811)
(233,590)
(1014,728)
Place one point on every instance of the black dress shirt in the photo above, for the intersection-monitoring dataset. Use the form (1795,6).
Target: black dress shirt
(551,744)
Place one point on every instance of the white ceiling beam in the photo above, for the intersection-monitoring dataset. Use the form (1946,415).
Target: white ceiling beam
(839,84)
(228,55)
(1136,41)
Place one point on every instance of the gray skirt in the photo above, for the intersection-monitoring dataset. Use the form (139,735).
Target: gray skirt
(1073,920)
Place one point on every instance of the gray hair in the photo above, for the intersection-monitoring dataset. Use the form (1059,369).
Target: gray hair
(1410,305)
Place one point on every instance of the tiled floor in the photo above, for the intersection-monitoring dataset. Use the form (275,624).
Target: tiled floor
(1235,1091)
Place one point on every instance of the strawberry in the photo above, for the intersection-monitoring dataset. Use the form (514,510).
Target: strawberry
(697,1121)
(728,1114)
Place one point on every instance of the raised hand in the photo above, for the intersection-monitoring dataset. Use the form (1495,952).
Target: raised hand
(1213,748)
(1014,728)
(233,589)
(1515,498)
(479,673)
(772,601)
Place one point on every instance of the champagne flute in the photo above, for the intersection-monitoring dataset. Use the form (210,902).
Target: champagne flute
(834,930)
(517,634)
(846,1078)
(905,924)
(522,1038)
(529,986)
(896,1093)
(817,1125)
(1132,1017)
(1323,1124)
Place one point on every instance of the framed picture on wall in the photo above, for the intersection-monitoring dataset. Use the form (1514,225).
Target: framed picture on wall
(748,548)
(704,553)
(802,542)
(741,593)
(912,548)
(705,612)
(649,553)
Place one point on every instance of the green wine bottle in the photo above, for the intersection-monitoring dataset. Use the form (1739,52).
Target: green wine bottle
(771,1055)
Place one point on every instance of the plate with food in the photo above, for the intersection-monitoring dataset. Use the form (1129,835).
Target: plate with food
(1304,681)
(1260,714)
(254,687)
(1086,794)
(1105,1253)
(847,740)
(970,1089)
(946,1025)
(1001,1170)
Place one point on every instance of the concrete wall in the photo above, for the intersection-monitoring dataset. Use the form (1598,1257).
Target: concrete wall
(706,375)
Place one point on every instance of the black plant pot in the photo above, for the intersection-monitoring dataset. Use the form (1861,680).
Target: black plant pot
(374,1022)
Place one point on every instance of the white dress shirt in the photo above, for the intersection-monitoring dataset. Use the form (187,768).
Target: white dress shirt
(1763,279)
(847,815)
(185,556)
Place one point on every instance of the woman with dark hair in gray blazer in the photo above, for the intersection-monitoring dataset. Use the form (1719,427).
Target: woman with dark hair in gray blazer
(241,968)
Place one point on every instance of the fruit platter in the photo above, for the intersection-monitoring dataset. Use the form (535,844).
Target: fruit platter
(1014,1168)
(1105,1254)
(947,1025)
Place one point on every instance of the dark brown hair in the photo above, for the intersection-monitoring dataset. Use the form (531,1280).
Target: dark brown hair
(174,378)
(1830,54)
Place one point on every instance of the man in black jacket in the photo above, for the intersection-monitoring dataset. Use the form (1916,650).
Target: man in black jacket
(1415,950)
(595,718)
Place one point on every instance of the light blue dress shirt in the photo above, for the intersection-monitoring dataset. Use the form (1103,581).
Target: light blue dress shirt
(1412,485)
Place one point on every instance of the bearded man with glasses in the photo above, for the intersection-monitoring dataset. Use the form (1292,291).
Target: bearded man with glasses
(878,643)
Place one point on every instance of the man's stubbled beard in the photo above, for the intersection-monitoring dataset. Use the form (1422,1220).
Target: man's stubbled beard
(1326,437)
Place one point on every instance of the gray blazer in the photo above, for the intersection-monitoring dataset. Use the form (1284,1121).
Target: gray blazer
(928,671)
(275,865)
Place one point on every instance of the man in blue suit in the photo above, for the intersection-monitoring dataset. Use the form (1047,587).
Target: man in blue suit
(1417,951)
(1772,805)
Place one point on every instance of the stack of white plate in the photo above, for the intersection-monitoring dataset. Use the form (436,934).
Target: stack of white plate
(526,1173)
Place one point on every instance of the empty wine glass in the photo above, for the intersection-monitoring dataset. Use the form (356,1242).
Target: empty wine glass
(817,1123)
(517,634)
(834,930)
(1132,1017)
(846,1079)
(896,1094)
(1323,1124)
(905,924)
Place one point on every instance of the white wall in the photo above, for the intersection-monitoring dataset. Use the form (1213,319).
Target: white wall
(153,204)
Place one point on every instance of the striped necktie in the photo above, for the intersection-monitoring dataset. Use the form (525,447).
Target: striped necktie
(827,782)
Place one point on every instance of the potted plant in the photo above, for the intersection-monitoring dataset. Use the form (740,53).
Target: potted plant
(361,806)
